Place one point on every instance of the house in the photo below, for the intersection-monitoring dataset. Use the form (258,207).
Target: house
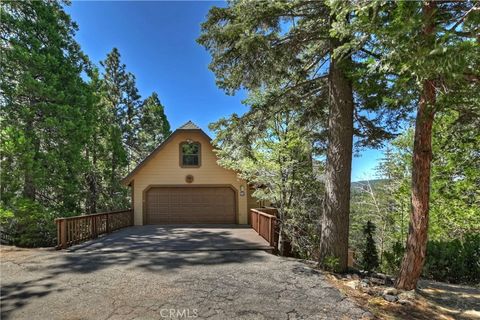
(180,182)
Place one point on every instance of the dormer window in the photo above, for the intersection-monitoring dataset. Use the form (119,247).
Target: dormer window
(190,154)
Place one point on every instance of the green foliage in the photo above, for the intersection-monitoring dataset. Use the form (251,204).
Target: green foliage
(68,132)
(454,260)
(369,254)
(154,124)
(392,259)
(276,157)
(6,217)
(454,202)
(331,263)
(30,225)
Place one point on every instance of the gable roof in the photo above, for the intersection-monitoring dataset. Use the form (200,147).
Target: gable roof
(187,127)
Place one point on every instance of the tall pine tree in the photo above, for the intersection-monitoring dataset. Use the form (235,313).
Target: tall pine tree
(154,127)
(45,103)
(295,50)
(429,53)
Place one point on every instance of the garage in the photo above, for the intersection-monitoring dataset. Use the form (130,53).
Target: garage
(190,205)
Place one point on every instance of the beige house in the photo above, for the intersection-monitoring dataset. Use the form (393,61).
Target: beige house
(180,182)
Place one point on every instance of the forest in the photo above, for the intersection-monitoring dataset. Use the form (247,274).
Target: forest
(70,130)
(324,79)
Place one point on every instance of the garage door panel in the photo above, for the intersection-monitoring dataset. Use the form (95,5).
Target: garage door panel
(166,205)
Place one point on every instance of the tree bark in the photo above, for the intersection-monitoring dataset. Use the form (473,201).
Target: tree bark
(416,247)
(336,208)
(29,190)
(92,195)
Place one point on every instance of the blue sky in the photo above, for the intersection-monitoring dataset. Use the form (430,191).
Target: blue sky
(157,43)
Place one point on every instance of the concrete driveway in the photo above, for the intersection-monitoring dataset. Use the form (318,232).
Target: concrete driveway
(135,278)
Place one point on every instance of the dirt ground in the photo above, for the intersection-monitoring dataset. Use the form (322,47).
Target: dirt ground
(434,300)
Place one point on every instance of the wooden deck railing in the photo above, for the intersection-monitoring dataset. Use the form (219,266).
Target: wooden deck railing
(73,230)
(264,221)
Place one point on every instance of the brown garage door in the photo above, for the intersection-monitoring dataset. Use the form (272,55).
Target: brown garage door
(167,205)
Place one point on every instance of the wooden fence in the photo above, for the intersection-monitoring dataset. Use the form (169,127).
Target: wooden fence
(264,221)
(73,230)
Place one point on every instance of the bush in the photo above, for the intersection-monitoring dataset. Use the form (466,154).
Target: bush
(29,224)
(392,259)
(454,261)
(331,263)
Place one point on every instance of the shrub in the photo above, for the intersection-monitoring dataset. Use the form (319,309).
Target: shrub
(29,224)
(331,263)
(392,259)
(369,260)
(454,261)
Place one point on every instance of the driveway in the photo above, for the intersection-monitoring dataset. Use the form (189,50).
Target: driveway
(131,278)
(178,238)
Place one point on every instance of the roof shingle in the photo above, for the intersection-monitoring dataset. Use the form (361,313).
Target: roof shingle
(189,126)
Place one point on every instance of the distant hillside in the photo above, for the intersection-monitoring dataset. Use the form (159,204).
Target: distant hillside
(373,183)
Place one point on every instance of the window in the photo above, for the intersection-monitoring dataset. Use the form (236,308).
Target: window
(190,154)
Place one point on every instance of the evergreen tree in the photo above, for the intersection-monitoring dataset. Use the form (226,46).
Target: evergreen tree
(154,127)
(114,82)
(277,159)
(414,43)
(45,103)
(293,51)
(369,254)
(64,141)
(130,120)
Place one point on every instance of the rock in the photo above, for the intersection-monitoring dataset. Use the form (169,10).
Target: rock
(390,297)
(355,276)
(364,283)
(405,302)
(349,276)
(390,291)
(374,291)
(377,281)
(367,315)
(407,295)
(352,284)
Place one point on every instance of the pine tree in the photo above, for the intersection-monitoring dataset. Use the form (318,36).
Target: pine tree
(114,81)
(294,51)
(154,127)
(429,52)
(45,103)
(369,254)
(130,120)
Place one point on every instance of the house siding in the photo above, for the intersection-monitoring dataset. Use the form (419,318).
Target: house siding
(164,169)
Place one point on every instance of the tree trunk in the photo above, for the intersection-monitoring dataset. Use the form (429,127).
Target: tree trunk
(336,208)
(29,190)
(416,246)
(91,204)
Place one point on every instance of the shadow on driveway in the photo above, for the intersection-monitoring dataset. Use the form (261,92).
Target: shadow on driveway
(156,249)
(154,238)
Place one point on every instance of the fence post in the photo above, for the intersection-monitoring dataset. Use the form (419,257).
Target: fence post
(270,231)
(63,233)
(94,227)
(107,227)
